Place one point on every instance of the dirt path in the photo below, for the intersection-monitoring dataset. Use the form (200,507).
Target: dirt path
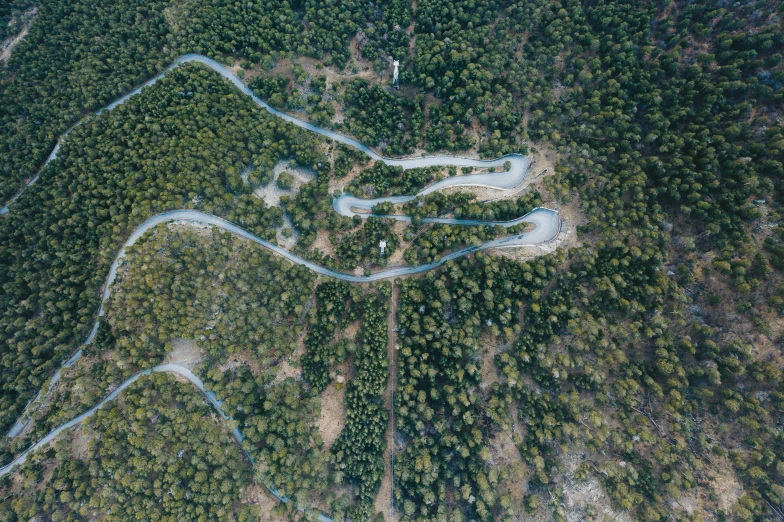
(7,46)
(383,503)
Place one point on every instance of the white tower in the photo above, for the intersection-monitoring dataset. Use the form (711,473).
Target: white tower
(394,75)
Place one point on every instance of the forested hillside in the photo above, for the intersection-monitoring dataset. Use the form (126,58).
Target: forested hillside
(149,155)
(642,365)
(158,454)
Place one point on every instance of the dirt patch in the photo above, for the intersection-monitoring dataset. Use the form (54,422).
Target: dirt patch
(260,496)
(504,453)
(184,352)
(197,228)
(583,495)
(286,370)
(289,239)
(491,347)
(725,489)
(333,413)
(80,442)
(383,502)
(242,359)
(323,243)
(396,259)
(271,193)
(7,46)
(351,330)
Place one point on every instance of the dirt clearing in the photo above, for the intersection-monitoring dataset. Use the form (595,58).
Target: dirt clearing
(7,46)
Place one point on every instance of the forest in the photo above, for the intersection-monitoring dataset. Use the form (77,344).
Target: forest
(148,462)
(645,359)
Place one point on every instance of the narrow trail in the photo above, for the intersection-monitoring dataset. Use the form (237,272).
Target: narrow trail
(385,499)
(509,179)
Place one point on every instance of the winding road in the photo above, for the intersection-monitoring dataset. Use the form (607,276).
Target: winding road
(163,368)
(547,224)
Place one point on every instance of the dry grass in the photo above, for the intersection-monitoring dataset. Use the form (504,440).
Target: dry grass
(260,496)
(185,352)
(333,413)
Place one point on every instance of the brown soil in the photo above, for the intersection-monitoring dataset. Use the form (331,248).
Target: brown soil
(579,494)
(396,259)
(286,370)
(240,359)
(491,346)
(80,442)
(323,244)
(351,331)
(333,413)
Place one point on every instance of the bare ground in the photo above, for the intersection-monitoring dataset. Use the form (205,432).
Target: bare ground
(333,413)
(7,46)
(286,370)
(259,495)
(184,352)
(242,359)
(80,442)
(580,494)
(384,500)
(323,244)
(724,485)
(491,346)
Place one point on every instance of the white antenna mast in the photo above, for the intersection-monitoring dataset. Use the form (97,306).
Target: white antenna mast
(394,75)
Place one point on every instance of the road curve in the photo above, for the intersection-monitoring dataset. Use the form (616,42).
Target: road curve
(502,180)
(546,221)
(163,368)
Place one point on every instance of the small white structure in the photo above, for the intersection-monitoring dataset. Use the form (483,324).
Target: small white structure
(382,245)
(396,63)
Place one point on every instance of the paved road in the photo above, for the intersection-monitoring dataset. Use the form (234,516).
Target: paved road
(503,180)
(546,221)
(163,368)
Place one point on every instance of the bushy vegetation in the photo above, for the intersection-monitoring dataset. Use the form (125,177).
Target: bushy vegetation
(381,179)
(156,453)
(358,453)
(113,172)
(502,210)
(362,247)
(79,56)
(653,349)
(278,423)
(324,348)
(387,31)
(377,117)
(444,469)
